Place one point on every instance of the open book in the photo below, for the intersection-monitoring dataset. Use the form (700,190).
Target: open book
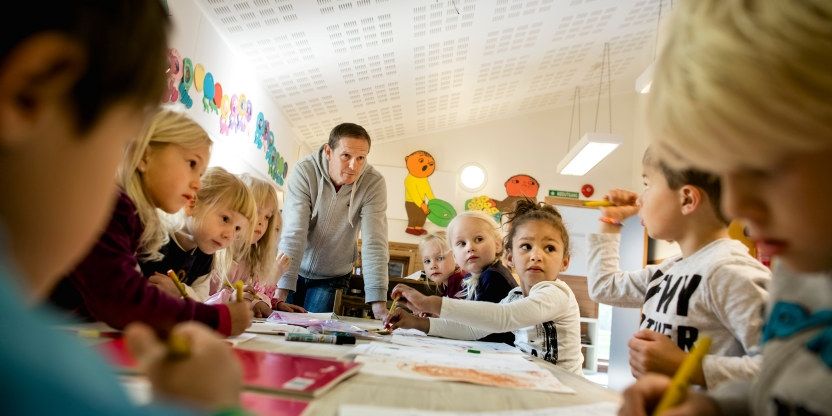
(263,371)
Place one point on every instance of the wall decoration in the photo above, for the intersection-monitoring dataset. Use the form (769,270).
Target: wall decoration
(518,187)
(174,75)
(234,112)
(417,190)
(185,84)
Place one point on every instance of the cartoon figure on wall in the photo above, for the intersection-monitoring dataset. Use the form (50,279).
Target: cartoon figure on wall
(419,201)
(208,93)
(174,75)
(187,81)
(518,187)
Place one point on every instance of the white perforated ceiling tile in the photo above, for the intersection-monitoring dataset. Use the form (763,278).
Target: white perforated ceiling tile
(404,68)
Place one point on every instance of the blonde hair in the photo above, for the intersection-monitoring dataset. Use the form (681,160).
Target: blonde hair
(222,190)
(260,257)
(739,84)
(438,237)
(165,128)
(491,226)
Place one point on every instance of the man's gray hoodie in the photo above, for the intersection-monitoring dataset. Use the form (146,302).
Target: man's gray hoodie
(320,226)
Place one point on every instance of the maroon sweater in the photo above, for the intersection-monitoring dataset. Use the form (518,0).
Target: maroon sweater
(108,285)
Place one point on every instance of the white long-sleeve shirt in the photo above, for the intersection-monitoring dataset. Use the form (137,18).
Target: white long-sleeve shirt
(797,352)
(546,323)
(719,291)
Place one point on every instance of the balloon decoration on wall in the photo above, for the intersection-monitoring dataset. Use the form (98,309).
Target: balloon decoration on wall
(234,112)
(419,201)
(520,186)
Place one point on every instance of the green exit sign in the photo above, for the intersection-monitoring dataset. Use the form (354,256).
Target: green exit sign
(563,194)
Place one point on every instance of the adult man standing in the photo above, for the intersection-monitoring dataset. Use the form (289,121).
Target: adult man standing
(328,196)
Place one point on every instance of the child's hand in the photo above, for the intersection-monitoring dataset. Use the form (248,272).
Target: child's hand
(261,309)
(653,352)
(411,299)
(401,318)
(165,284)
(282,263)
(241,316)
(645,394)
(625,204)
(209,376)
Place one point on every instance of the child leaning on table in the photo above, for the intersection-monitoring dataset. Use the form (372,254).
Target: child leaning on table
(257,261)
(76,80)
(200,242)
(743,89)
(543,312)
(160,171)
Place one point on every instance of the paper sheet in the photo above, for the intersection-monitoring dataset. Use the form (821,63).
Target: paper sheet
(272,328)
(490,369)
(594,409)
(452,345)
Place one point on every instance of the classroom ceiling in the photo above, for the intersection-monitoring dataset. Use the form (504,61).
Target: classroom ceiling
(405,68)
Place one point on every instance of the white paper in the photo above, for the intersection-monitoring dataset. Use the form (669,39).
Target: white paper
(491,369)
(271,328)
(594,409)
(239,339)
(453,345)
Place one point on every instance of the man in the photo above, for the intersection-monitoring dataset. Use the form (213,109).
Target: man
(330,194)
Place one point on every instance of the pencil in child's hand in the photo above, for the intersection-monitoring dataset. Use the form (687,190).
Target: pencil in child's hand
(393,305)
(178,347)
(178,284)
(598,204)
(675,393)
(239,286)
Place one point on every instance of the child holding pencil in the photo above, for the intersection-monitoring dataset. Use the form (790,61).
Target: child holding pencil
(713,288)
(762,123)
(197,250)
(542,312)
(439,266)
(67,112)
(162,171)
(255,262)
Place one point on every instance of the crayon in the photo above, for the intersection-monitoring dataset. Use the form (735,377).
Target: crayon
(675,393)
(322,338)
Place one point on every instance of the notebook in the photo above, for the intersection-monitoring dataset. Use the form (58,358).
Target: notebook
(264,371)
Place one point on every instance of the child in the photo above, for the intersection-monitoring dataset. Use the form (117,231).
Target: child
(475,240)
(255,261)
(196,251)
(543,312)
(67,112)
(762,123)
(160,170)
(714,288)
(439,266)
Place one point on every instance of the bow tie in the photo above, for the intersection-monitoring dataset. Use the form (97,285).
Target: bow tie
(788,319)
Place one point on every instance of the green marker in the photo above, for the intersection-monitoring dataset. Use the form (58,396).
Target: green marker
(473,351)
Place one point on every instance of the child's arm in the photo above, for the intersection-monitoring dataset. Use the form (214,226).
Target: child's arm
(738,292)
(641,397)
(606,282)
(544,303)
(112,289)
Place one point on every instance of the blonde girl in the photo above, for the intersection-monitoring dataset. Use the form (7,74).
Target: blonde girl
(256,261)
(160,172)
(542,312)
(197,250)
(476,244)
(438,264)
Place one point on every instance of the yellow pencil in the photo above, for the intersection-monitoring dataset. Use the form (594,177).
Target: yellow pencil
(178,347)
(675,393)
(393,305)
(239,286)
(598,204)
(178,284)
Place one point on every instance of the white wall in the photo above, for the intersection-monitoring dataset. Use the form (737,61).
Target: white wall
(196,38)
(532,144)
